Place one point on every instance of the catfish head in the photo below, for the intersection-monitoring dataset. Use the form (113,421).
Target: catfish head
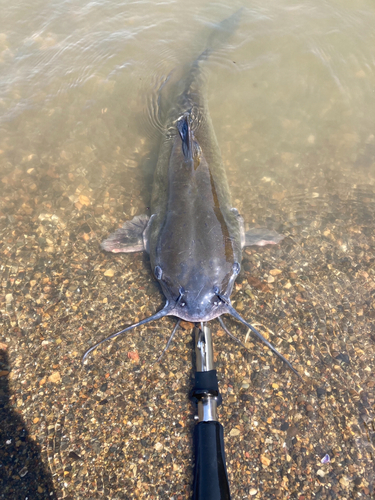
(197,295)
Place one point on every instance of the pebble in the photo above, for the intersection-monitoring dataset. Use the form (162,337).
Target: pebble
(234,432)
(275,272)
(109,272)
(55,377)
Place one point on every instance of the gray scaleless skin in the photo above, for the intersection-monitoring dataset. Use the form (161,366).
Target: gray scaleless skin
(194,236)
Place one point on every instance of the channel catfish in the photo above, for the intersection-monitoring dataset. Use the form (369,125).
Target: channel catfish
(194,235)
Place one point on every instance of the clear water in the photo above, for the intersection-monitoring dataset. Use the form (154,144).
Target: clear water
(293,105)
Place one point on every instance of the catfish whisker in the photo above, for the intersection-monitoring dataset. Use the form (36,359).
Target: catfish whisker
(169,342)
(160,314)
(231,310)
(230,334)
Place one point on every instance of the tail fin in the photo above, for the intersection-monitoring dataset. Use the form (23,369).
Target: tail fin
(218,38)
(221,34)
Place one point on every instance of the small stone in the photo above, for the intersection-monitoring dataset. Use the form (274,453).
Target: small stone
(320,473)
(158,446)
(23,472)
(239,306)
(265,460)
(284,426)
(133,355)
(344,481)
(253,491)
(109,272)
(55,377)
(275,272)
(292,431)
(234,432)
(36,420)
(186,325)
(9,298)
(84,200)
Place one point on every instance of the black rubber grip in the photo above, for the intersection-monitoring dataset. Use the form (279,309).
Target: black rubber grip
(206,383)
(210,472)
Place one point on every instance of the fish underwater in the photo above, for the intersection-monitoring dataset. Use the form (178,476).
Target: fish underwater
(194,236)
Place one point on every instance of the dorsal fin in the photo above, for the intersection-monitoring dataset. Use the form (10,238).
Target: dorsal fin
(190,147)
(186,134)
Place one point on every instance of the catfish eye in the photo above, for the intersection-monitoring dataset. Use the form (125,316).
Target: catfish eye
(216,290)
(236,268)
(182,304)
(158,272)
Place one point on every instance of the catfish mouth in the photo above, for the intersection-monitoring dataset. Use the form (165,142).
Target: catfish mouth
(200,307)
(212,313)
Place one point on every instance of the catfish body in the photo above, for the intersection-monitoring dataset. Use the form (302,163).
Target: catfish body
(194,236)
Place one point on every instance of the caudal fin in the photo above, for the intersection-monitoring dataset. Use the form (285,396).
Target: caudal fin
(221,34)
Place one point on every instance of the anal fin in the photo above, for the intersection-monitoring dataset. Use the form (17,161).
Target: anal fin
(128,238)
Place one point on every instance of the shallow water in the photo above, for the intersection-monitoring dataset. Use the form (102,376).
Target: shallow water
(292,102)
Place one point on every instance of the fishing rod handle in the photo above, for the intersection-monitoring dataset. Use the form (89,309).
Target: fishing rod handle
(210,473)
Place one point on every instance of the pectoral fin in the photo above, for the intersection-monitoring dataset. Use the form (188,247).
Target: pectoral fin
(129,238)
(261,236)
(256,235)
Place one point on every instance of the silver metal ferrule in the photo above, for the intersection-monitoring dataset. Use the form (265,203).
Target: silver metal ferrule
(207,409)
(203,349)
(207,406)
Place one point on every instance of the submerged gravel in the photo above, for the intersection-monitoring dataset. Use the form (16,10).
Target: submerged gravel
(121,427)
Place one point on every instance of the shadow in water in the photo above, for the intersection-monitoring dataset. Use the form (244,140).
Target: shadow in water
(23,474)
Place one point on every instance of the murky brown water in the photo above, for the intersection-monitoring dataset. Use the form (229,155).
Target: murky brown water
(293,104)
